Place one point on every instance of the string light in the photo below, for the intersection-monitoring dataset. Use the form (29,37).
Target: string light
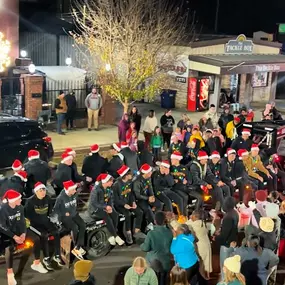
(5,48)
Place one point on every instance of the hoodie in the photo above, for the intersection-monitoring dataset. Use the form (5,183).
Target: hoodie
(65,204)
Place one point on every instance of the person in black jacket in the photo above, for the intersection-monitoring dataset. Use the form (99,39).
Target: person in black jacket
(243,141)
(162,183)
(182,180)
(38,209)
(71,109)
(135,117)
(225,118)
(205,180)
(116,162)
(167,122)
(176,145)
(210,142)
(101,206)
(66,210)
(144,194)
(37,170)
(130,157)
(125,203)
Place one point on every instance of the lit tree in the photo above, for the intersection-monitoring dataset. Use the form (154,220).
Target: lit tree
(124,44)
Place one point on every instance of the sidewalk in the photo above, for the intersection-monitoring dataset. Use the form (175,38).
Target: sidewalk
(82,138)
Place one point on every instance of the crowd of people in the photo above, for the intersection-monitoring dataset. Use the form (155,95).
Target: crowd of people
(214,166)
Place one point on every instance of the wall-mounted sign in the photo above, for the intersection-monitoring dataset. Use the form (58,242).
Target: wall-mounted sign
(36,95)
(178,66)
(181,79)
(239,46)
(267,68)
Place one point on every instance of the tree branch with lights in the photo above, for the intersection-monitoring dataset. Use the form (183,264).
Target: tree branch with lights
(124,44)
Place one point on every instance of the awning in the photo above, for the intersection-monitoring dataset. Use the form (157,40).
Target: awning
(237,64)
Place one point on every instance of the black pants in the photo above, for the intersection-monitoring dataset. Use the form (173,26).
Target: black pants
(267,182)
(111,220)
(192,273)
(197,194)
(128,217)
(77,227)
(146,207)
(162,277)
(70,115)
(166,138)
(156,151)
(167,196)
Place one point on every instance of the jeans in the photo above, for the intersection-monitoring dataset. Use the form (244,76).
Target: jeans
(60,120)
(156,151)
(224,254)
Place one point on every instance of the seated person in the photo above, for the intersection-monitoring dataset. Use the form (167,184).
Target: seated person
(116,162)
(125,203)
(205,181)
(144,194)
(175,145)
(191,152)
(182,181)
(163,182)
(101,206)
(38,209)
(66,209)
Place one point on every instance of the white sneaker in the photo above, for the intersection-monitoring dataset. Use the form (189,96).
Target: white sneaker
(112,240)
(119,241)
(82,251)
(39,268)
(150,227)
(11,279)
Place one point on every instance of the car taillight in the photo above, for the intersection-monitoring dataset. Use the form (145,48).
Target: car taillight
(47,139)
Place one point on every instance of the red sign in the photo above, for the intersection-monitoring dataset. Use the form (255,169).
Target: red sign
(204,94)
(192,94)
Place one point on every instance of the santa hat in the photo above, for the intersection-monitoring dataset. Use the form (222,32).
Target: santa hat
(237,119)
(124,145)
(215,154)
(17,165)
(261,195)
(233,264)
(116,146)
(103,177)
(242,152)
(202,155)
(145,168)
(176,155)
(94,149)
(69,185)
(70,151)
(246,132)
(22,174)
(38,186)
(33,154)
(65,156)
(163,163)
(11,196)
(123,170)
(230,151)
(254,147)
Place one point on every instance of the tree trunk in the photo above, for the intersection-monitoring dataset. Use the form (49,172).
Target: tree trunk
(126,106)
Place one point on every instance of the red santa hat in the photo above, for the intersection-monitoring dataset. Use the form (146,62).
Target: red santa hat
(17,165)
(33,154)
(237,119)
(124,145)
(94,149)
(246,132)
(11,196)
(202,155)
(117,146)
(215,154)
(70,151)
(65,156)
(242,152)
(230,151)
(123,170)
(69,185)
(145,168)
(38,186)
(254,147)
(164,163)
(22,174)
(176,155)
(103,177)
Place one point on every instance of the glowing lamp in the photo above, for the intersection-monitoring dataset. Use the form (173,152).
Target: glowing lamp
(23,53)
(32,68)
(68,61)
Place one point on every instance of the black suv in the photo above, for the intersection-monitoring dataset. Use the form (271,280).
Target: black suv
(18,135)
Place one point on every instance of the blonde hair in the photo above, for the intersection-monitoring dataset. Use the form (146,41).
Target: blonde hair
(231,276)
(282,207)
(186,118)
(140,262)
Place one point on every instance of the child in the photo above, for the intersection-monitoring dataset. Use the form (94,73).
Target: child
(156,144)
(82,274)
(187,133)
(179,134)
(132,137)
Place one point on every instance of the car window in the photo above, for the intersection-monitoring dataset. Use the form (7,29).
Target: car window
(29,131)
(9,132)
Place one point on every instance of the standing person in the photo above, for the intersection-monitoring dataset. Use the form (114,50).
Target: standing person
(93,103)
(123,128)
(157,245)
(71,109)
(167,122)
(149,125)
(116,162)
(132,137)
(213,115)
(60,110)
(243,141)
(82,275)
(225,118)
(178,276)
(134,116)
(140,273)
(185,120)
(156,144)
(231,129)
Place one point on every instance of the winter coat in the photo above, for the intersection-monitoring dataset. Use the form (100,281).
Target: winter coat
(62,174)
(143,188)
(130,159)
(137,119)
(115,164)
(216,169)
(200,231)
(199,140)
(240,143)
(157,245)
(13,182)
(122,129)
(205,126)
(76,177)
(162,182)
(252,165)
(147,278)
(231,131)
(70,102)
(210,145)
(179,173)
(123,193)
(167,123)
(224,120)
(213,117)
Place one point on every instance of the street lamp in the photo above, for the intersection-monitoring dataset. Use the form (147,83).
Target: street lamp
(23,53)
(32,68)
(108,66)
(68,61)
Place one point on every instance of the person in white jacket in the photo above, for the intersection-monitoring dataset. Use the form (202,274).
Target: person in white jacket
(213,115)
(149,125)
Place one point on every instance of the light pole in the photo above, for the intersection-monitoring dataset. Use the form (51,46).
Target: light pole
(217,16)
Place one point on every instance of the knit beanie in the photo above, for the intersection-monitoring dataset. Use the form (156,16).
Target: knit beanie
(233,264)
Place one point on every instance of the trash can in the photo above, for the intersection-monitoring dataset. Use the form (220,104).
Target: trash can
(168,99)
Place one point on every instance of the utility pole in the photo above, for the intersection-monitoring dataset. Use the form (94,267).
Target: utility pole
(217,16)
